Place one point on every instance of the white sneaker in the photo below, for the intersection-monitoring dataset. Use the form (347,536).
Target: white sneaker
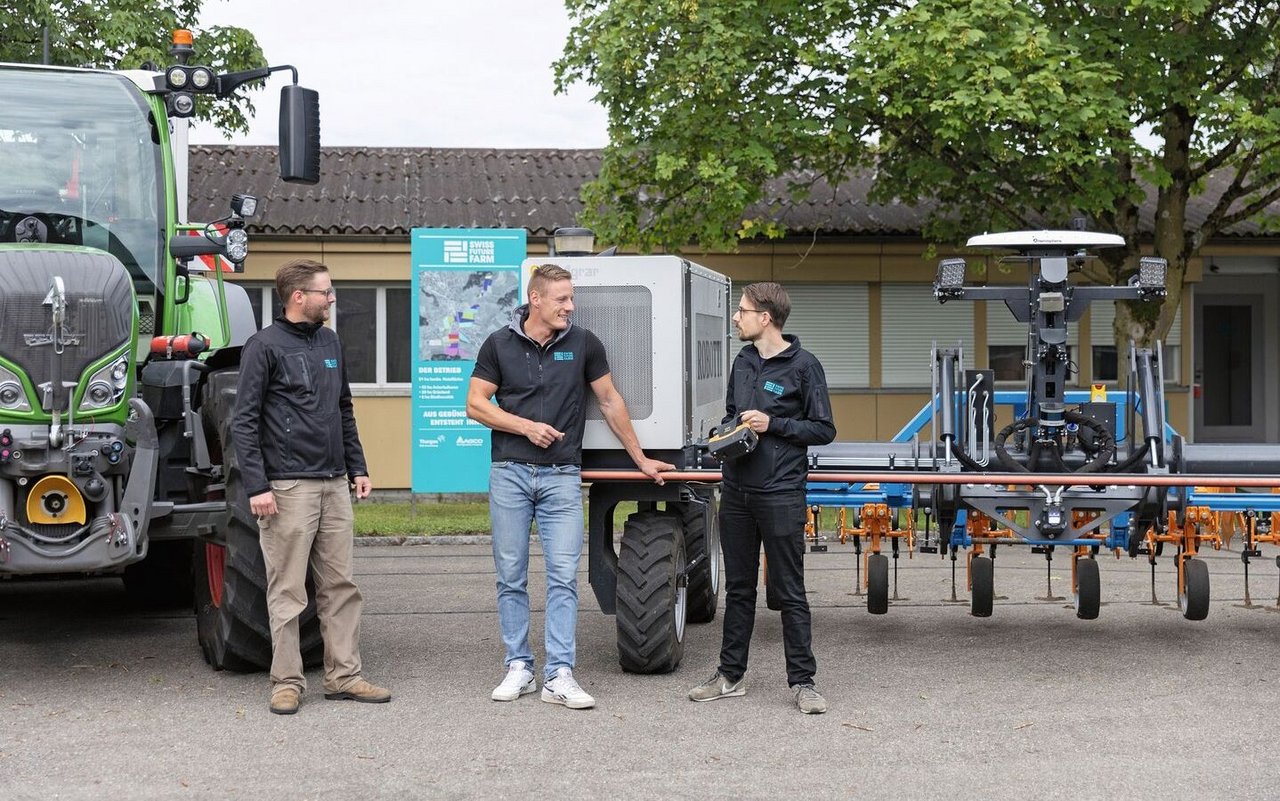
(562,689)
(518,681)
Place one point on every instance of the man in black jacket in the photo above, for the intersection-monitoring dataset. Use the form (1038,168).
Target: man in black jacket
(780,391)
(295,431)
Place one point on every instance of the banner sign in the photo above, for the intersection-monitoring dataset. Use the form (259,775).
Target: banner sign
(466,284)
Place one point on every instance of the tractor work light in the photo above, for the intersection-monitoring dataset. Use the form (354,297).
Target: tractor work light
(1152,271)
(573,242)
(244,205)
(201,78)
(950,280)
(181,78)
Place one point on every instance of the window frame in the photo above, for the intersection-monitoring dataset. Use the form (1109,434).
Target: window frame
(265,293)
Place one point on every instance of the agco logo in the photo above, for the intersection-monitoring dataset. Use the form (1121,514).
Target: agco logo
(468,442)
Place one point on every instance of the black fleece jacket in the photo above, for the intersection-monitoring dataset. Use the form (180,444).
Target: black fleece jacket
(791,388)
(294,417)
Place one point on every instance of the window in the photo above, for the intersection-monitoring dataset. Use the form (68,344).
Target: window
(831,322)
(372,321)
(912,320)
(1007,361)
(260,294)
(1102,316)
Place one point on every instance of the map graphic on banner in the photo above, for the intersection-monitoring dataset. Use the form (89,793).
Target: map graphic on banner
(466,284)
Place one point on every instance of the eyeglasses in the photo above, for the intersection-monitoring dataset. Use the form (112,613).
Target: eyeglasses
(331,293)
(751,311)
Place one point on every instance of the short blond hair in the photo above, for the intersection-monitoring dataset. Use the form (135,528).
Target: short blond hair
(544,274)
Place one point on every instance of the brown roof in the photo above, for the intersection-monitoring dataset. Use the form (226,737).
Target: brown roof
(388,191)
(367,191)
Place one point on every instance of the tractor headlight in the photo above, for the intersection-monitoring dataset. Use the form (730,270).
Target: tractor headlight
(107,384)
(13,397)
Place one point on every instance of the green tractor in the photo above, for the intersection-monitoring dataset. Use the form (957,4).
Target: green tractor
(114,412)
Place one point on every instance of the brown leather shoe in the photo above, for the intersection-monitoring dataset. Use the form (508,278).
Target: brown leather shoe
(363,692)
(284,701)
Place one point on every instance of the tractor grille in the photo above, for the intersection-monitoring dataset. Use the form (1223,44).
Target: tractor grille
(99,311)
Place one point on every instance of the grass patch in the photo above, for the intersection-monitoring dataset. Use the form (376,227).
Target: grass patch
(438,519)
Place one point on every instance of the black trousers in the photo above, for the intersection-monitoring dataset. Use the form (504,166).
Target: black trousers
(776,520)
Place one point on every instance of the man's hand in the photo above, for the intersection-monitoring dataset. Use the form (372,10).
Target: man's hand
(543,435)
(263,505)
(652,467)
(757,421)
(363,487)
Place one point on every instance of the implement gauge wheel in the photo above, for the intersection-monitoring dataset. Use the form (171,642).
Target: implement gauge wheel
(877,584)
(1088,595)
(1194,598)
(982,597)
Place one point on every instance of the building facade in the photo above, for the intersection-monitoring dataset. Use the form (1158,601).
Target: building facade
(857,274)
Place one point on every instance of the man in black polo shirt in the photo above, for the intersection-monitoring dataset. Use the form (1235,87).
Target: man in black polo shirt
(539,367)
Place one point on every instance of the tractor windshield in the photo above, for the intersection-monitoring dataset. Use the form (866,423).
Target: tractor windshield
(80,165)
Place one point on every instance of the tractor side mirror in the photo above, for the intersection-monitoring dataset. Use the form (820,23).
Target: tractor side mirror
(299,135)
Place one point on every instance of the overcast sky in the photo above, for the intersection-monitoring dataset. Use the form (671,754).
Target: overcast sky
(439,73)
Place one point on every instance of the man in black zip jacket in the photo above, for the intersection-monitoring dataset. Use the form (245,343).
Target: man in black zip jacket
(780,391)
(539,368)
(295,432)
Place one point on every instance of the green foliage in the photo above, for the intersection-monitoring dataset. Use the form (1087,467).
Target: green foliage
(991,114)
(432,519)
(125,34)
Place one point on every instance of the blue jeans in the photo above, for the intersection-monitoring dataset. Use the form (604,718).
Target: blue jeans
(551,495)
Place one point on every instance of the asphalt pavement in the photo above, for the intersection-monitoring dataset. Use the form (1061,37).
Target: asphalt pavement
(102,701)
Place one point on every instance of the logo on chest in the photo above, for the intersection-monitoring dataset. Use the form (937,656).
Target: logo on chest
(775,388)
(563,355)
(332,364)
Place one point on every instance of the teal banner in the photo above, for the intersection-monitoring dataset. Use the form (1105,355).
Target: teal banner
(466,284)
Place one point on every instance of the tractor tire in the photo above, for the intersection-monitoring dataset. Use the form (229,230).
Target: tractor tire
(651,598)
(164,579)
(232,624)
(702,538)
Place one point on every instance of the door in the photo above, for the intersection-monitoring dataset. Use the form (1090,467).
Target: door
(1228,368)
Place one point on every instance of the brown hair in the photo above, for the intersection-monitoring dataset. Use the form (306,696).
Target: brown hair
(296,275)
(544,274)
(770,297)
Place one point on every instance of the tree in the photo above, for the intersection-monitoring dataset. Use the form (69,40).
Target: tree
(1000,114)
(126,34)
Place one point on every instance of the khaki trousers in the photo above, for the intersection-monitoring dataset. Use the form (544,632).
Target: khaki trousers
(314,525)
